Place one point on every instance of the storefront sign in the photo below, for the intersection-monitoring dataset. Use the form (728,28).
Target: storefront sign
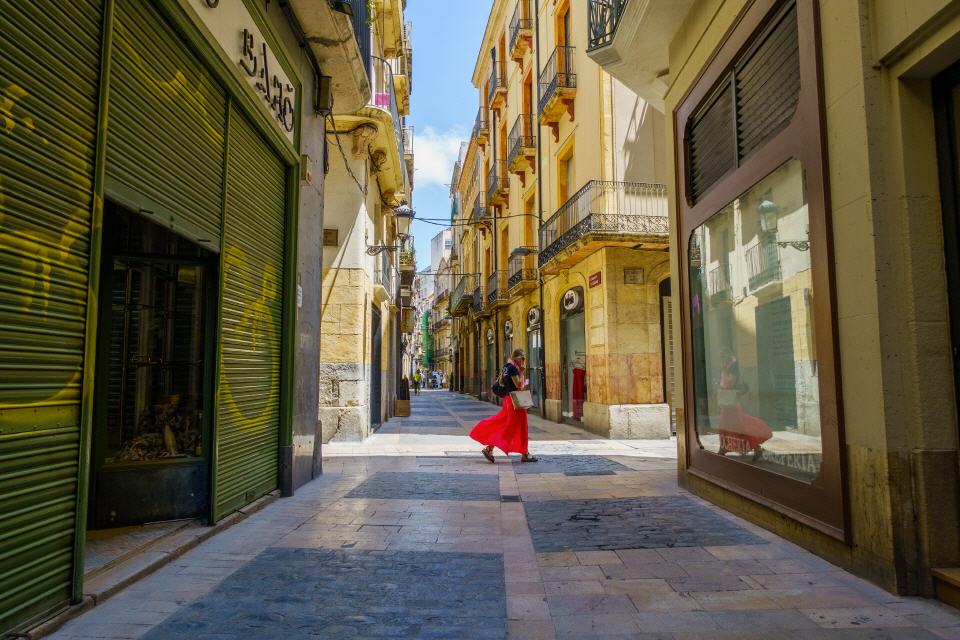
(571,300)
(237,32)
(533,317)
(508,328)
(595,279)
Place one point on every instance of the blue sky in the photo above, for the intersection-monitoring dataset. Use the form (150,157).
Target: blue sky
(446,39)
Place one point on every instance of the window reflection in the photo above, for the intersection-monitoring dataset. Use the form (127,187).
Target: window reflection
(755,367)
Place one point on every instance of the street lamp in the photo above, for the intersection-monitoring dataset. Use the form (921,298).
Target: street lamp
(403,216)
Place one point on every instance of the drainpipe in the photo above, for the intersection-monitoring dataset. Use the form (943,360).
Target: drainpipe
(543,313)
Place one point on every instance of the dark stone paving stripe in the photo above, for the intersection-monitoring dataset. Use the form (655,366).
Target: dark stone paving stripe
(386,485)
(653,522)
(573,466)
(334,594)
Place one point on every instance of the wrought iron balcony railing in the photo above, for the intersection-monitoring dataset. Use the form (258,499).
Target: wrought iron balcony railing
(605,208)
(497,288)
(558,73)
(498,182)
(718,280)
(603,20)
(521,25)
(763,263)
(385,275)
(408,140)
(480,213)
(521,269)
(498,81)
(384,96)
(461,299)
(523,135)
(480,127)
(479,299)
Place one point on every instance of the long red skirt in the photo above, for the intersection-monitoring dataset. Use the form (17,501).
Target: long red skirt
(506,430)
(741,432)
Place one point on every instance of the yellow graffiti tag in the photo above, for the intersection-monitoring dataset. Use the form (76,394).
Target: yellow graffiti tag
(258,324)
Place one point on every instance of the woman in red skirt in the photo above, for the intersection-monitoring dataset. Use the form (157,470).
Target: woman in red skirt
(740,432)
(507,430)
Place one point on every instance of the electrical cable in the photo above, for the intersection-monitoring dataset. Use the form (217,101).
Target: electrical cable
(343,154)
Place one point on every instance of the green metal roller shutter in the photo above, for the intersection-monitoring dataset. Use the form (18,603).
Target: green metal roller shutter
(167,122)
(251,311)
(49,77)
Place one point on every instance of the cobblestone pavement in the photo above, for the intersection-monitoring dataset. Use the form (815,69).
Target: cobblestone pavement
(412,534)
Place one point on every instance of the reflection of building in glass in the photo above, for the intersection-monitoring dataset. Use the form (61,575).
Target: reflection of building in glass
(754,291)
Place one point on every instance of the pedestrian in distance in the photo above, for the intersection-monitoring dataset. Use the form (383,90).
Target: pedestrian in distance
(508,429)
(416,382)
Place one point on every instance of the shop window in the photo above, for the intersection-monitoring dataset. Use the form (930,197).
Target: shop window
(760,388)
(759,402)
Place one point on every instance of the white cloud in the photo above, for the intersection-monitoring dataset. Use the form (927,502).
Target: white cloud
(434,154)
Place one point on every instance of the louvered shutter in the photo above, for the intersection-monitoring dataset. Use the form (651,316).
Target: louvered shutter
(712,142)
(49,81)
(765,87)
(166,133)
(248,416)
(768,84)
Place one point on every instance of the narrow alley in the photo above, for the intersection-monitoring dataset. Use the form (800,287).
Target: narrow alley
(412,534)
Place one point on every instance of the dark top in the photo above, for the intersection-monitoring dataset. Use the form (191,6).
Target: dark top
(506,379)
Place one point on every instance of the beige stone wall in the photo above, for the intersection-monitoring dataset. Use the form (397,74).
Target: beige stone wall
(897,403)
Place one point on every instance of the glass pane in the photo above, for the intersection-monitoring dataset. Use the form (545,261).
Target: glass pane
(752,299)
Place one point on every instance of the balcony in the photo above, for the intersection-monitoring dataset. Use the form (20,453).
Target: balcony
(343,43)
(522,147)
(763,264)
(441,292)
(497,93)
(461,299)
(498,184)
(631,42)
(481,213)
(558,89)
(604,18)
(521,32)
(522,273)
(442,353)
(718,281)
(408,152)
(497,290)
(385,280)
(604,214)
(481,128)
(480,307)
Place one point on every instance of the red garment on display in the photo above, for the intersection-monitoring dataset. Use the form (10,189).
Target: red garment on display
(507,430)
(579,392)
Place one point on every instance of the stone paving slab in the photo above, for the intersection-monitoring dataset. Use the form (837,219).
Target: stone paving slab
(572,466)
(630,523)
(321,593)
(428,486)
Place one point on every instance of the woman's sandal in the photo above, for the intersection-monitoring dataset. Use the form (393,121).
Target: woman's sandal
(529,458)
(488,454)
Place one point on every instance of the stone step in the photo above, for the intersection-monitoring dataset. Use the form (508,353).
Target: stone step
(947,583)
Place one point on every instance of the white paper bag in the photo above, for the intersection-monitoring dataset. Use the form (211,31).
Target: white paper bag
(521,399)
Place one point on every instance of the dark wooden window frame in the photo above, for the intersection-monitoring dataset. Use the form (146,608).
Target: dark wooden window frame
(823,503)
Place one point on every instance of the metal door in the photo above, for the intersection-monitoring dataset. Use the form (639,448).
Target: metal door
(248,412)
(167,127)
(49,89)
(376,369)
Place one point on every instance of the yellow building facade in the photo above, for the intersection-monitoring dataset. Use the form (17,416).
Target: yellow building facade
(562,228)
(813,192)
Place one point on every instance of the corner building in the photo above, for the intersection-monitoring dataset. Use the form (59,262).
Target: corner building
(564,248)
(813,157)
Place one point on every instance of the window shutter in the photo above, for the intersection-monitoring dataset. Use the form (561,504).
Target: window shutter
(764,84)
(712,143)
(768,84)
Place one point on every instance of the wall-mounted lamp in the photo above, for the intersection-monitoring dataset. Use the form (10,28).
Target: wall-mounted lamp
(403,216)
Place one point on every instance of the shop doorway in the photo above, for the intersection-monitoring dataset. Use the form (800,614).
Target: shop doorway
(376,368)
(946,94)
(573,352)
(154,376)
(535,356)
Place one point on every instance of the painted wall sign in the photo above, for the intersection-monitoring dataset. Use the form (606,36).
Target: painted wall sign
(595,279)
(237,32)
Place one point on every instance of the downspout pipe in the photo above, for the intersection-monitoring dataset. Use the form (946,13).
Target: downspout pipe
(543,314)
